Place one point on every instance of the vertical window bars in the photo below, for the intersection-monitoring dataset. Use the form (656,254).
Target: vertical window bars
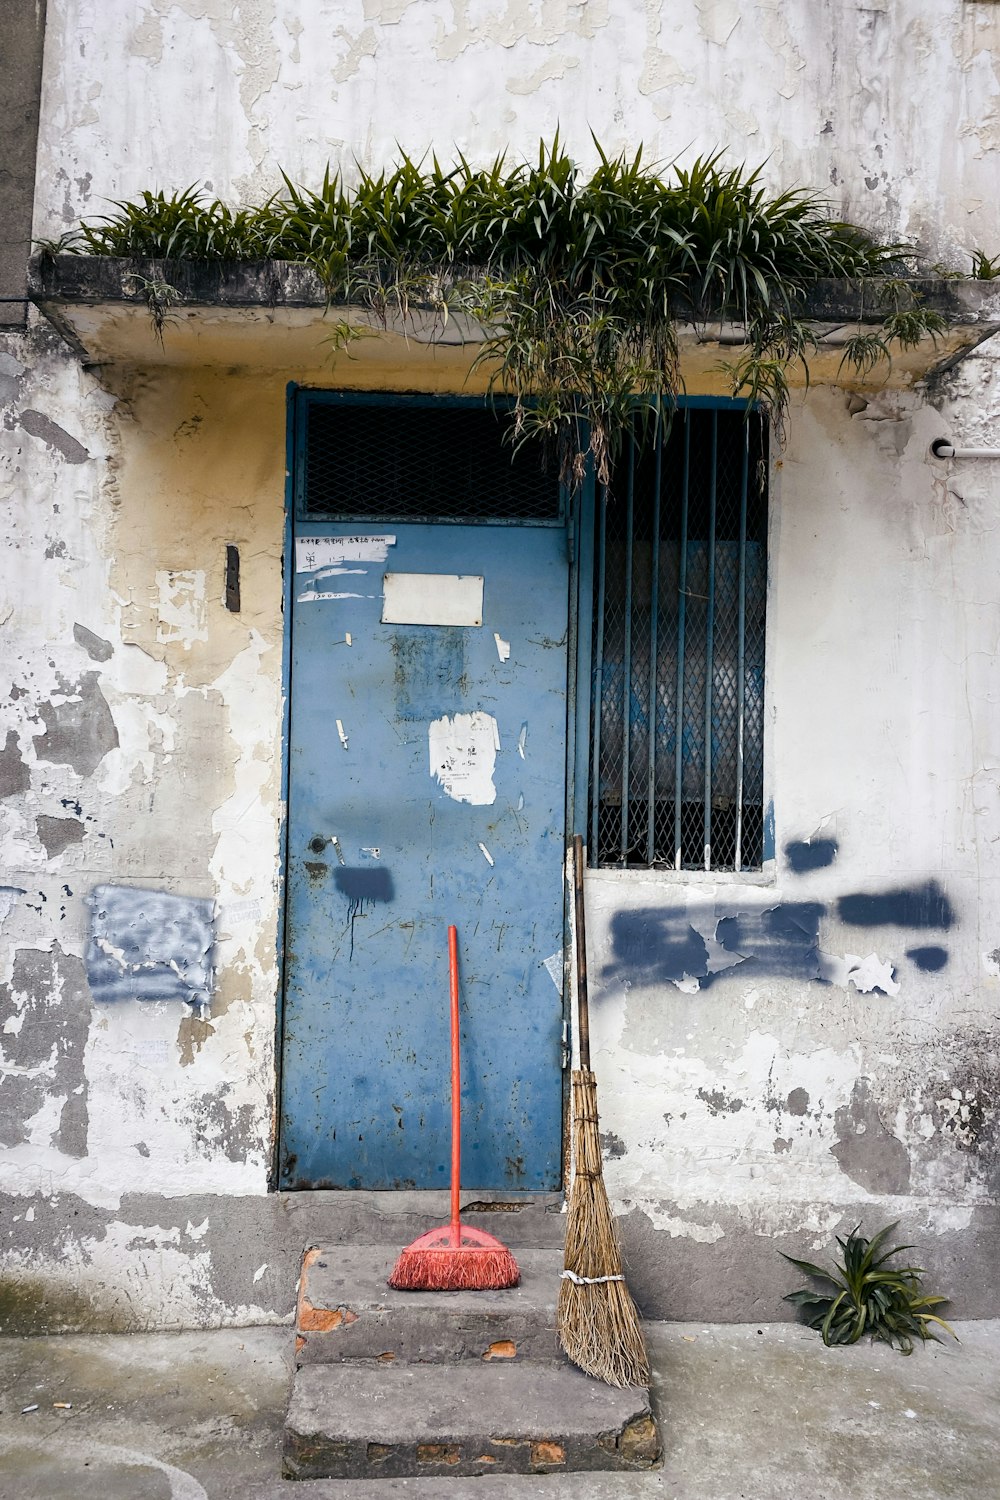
(677,717)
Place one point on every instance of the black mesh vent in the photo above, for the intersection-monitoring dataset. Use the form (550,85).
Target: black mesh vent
(421,459)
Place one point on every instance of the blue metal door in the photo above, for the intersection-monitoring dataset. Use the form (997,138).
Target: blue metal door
(426,786)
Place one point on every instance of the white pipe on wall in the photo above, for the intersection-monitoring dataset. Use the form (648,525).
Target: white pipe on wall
(941,448)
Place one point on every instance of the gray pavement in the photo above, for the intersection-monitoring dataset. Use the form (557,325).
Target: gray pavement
(748,1412)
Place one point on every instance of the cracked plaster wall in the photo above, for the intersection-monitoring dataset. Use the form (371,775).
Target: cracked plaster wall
(831,96)
(140,729)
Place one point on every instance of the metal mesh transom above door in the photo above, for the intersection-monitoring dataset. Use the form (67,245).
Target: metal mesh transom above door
(418,458)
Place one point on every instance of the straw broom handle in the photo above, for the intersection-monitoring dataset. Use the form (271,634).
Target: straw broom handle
(582,1006)
(456,1090)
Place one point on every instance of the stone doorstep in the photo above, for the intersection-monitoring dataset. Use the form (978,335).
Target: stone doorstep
(396,1218)
(367,1420)
(346,1310)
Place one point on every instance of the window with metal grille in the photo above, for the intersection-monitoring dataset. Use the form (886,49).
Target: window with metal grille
(414,458)
(677,710)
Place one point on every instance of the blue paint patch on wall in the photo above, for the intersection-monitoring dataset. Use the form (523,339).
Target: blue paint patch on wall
(654,944)
(767,851)
(150,945)
(929,959)
(782,941)
(909,906)
(810,854)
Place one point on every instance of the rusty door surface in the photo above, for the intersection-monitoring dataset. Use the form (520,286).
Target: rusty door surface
(427,786)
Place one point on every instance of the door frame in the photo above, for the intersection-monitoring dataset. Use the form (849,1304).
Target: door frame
(573,521)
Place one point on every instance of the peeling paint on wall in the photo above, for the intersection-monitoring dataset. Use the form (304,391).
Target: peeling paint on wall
(79,727)
(181,607)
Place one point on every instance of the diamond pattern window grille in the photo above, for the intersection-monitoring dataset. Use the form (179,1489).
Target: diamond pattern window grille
(414,458)
(677,709)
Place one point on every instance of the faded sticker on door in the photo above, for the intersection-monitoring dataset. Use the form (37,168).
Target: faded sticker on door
(463,751)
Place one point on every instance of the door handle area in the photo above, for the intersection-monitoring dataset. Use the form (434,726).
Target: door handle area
(317,845)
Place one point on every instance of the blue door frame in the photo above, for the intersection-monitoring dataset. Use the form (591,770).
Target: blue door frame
(396,828)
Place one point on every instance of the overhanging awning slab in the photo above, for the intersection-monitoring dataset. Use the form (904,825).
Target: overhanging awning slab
(276,317)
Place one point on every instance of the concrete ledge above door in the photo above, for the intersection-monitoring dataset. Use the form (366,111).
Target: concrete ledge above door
(276,316)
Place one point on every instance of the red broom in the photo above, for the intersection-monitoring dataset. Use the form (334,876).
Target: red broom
(454,1258)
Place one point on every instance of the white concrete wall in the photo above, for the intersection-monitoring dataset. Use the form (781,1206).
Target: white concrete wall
(139,744)
(758,1096)
(888,110)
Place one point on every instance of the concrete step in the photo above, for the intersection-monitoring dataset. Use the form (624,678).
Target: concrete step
(366,1420)
(346,1310)
(389,1218)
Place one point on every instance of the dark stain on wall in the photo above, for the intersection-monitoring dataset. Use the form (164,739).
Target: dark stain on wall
(429,672)
(908,906)
(54,436)
(48,992)
(930,959)
(360,884)
(57,834)
(612,1146)
(15,776)
(233,1131)
(967,1106)
(810,854)
(797,1102)
(78,733)
(96,647)
(719,1103)
(868,1153)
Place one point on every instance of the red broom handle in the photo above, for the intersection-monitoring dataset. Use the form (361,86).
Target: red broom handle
(456,1091)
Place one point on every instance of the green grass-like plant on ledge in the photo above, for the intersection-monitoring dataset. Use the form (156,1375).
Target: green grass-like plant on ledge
(866,1295)
(579,279)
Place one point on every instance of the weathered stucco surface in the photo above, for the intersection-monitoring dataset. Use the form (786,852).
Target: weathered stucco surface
(140,806)
(832,96)
(778,1056)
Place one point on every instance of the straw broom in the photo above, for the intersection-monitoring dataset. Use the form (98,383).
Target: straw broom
(596,1319)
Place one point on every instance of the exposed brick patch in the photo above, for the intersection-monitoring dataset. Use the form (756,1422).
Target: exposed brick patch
(323,1319)
(310,1319)
(438,1453)
(547,1453)
(378,1452)
(502,1349)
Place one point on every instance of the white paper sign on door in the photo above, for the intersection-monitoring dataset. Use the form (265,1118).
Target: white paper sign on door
(313,552)
(463,752)
(433,599)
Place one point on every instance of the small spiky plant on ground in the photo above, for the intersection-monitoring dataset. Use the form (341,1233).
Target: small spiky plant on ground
(866,1295)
